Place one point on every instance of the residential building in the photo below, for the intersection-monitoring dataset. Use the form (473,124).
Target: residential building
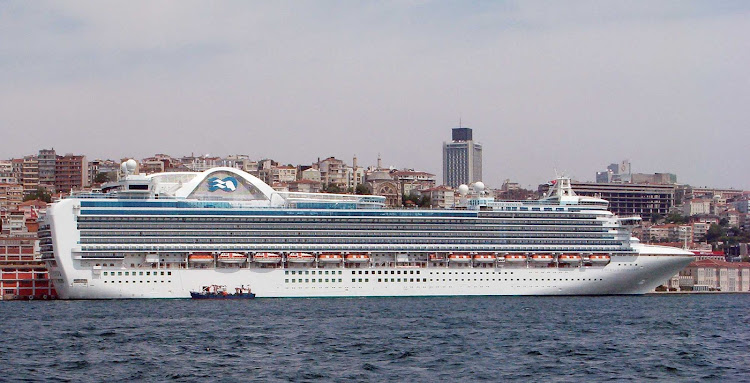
(410,180)
(11,195)
(462,159)
(30,174)
(696,206)
(71,172)
(305,186)
(441,197)
(284,174)
(334,172)
(311,174)
(6,169)
(47,160)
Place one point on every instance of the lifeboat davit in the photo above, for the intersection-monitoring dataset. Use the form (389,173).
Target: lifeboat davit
(300,257)
(515,258)
(201,258)
(356,258)
(266,258)
(460,258)
(485,258)
(599,258)
(542,258)
(232,258)
(329,258)
(569,258)
(436,258)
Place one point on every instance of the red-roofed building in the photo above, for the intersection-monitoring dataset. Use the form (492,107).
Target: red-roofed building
(715,275)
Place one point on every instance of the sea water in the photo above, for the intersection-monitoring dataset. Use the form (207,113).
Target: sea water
(567,339)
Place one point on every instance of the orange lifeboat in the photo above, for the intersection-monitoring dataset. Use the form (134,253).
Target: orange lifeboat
(485,258)
(599,258)
(542,258)
(232,258)
(462,258)
(201,258)
(515,258)
(266,258)
(569,258)
(330,258)
(436,258)
(357,258)
(300,257)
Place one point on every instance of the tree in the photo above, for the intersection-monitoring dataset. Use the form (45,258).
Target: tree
(101,178)
(714,233)
(332,188)
(415,199)
(363,189)
(40,193)
(676,218)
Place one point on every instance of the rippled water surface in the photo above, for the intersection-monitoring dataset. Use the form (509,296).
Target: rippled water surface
(572,339)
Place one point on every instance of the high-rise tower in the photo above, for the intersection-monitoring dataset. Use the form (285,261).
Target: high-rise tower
(462,159)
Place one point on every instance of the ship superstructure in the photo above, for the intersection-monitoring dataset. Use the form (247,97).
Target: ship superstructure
(163,235)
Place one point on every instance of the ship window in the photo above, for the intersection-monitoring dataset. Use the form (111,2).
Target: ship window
(339,272)
(399,280)
(286,272)
(354,280)
(367,280)
(127,273)
(306,272)
(307,280)
(326,279)
(140,273)
(380,280)
(286,280)
(339,279)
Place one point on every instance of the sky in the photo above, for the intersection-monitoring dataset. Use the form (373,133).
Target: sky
(547,86)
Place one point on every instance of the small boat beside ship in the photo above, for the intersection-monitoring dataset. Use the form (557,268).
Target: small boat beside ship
(221,292)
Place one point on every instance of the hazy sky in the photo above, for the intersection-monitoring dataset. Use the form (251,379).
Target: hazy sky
(566,85)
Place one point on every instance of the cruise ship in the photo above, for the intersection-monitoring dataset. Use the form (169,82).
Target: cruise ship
(165,235)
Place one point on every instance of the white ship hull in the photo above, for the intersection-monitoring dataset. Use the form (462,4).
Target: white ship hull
(624,275)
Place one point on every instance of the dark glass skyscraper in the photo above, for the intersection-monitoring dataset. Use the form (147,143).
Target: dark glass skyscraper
(462,159)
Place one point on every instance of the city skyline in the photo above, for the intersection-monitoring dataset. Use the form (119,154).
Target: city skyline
(545,86)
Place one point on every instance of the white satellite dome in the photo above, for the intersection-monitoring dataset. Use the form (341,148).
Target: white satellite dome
(463,189)
(478,187)
(131,165)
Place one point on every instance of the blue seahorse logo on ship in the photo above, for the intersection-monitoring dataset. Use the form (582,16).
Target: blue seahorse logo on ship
(228,184)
